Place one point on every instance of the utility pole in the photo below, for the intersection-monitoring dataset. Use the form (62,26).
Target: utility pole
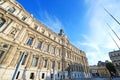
(113,32)
(112,16)
(113,39)
(53,70)
(18,66)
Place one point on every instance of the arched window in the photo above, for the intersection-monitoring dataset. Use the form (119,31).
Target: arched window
(2,21)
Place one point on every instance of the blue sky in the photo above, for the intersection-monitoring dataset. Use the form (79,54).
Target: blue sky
(83,21)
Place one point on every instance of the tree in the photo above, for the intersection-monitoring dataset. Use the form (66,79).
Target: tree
(111,69)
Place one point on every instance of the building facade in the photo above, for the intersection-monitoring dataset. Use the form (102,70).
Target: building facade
(99,70)
(29,50)
(115,58)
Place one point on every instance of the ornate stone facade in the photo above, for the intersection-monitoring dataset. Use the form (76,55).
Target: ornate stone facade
(45,52)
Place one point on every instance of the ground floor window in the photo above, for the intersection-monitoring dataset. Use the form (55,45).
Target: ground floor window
(43,75)
(32,76)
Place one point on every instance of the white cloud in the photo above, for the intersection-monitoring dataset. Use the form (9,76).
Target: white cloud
(51,21)
(98,41)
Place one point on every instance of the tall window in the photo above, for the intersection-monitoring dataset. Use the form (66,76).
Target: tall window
(45,63)
(39,44)
(52,64)
(59,52)
(12,9)
(35,61)
(30,41)
(24,59)
(53,50)
(32,76)
(43,75)
(2,21)
(46,47)
(1,53)
(58,65)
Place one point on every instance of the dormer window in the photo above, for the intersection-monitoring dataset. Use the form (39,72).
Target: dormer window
(2,21)
(24,18)
(12,9)
(35,27)
(42,31)
(49,35)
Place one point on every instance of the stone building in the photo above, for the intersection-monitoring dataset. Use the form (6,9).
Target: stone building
(29,50)
(99,70)
(115,58)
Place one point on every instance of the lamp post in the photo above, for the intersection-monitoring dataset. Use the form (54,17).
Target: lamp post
(69,72)
(18,66)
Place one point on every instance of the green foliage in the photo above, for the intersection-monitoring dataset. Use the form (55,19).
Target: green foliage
(111,68)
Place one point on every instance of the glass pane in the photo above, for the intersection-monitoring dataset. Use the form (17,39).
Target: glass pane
(35,60)
(39,44)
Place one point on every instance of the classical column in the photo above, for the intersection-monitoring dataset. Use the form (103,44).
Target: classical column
(15,59)
(29,60)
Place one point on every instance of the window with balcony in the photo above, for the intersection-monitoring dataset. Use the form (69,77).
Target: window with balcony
(2,21)
(35,61)
(30,41)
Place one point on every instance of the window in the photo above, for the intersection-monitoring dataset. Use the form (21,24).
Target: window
(24,18)
(35,27)
(53,50)
(46,47)
(24,59)
(42,31)
(43,75)
(14,31)
(5,46)
(49,35)
(30,41)
(1,53)
(39,44)
(32,76)
(2,21)
(12,9)
(52,64)
(58,65)
(35,61)
(45,63)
